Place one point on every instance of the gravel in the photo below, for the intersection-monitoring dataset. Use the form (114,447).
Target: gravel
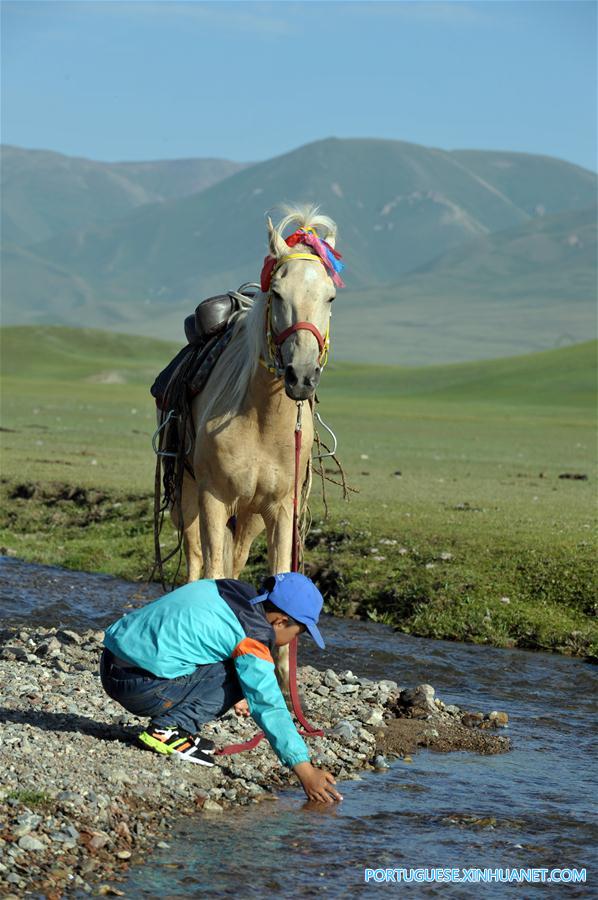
(80,801)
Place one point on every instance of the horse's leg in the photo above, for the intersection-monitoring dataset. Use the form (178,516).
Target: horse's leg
(279,529)
(213,516)
(187,517)
(246,530)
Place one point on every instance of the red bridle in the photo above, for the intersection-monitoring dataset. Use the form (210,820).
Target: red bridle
(275,341)
(300,326)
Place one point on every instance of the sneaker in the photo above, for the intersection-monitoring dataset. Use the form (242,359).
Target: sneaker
(187,747)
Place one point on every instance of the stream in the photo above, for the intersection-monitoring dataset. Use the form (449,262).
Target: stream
(532,807)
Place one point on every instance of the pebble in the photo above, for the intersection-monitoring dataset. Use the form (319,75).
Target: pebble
(331,679)
(30,819)
(69,637)
(98,791)
(212,806)
(500,718)
(344,730)
(375,718)
(27,842)
(380,762)
(51,647)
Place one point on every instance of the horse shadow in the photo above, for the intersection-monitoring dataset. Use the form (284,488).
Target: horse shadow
(70,723)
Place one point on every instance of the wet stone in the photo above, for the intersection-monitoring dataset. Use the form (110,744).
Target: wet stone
(212,806)
(499,718)
(118,799)
(420,698)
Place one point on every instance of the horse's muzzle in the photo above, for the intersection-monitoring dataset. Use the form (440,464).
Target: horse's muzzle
(300,382)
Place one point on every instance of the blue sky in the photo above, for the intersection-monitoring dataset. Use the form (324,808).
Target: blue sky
(247,81)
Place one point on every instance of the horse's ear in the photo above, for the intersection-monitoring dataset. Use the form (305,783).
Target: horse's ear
(331,238)
(278,246)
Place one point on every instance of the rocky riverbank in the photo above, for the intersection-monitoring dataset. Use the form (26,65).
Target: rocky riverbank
(80,802)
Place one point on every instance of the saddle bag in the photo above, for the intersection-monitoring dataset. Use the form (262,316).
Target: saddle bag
(213,315)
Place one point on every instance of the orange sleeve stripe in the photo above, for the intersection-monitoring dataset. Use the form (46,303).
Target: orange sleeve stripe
(250,645)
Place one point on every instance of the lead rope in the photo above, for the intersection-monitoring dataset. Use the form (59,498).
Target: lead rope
(294,691)
(308,730)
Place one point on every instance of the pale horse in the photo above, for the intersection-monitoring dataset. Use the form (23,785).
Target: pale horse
(243,457)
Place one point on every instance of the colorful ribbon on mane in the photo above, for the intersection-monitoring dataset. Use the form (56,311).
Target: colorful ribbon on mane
(327,254)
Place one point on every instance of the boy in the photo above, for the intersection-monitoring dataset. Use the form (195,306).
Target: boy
(189,656)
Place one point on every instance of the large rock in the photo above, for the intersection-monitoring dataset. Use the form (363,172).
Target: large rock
(419,701)
(50,648)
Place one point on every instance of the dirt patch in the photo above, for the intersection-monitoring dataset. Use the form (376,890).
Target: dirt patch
(111,377)
(406,736)
(51,494)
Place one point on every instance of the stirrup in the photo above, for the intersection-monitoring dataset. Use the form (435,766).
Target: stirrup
(156,436)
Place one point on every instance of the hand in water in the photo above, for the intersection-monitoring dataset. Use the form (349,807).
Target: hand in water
(317,783)
(241,708)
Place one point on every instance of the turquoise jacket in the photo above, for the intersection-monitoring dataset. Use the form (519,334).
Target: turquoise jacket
(206,622)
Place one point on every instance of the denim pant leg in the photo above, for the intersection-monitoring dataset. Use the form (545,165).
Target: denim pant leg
(201,697)
(138,694)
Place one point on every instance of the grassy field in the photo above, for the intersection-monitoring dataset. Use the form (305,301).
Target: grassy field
(477,538)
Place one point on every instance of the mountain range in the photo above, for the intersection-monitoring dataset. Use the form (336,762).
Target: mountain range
(449,254)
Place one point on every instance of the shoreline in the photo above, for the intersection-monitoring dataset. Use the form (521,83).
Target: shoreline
(80,802)
(501,593)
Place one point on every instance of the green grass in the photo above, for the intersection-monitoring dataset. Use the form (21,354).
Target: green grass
(478,513)
(34,799)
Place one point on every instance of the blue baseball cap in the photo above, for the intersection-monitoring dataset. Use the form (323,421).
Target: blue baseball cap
(297,596)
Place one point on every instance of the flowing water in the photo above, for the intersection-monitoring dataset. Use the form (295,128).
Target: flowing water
(532,807)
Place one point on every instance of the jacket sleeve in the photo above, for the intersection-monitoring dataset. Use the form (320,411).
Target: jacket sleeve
(255,668)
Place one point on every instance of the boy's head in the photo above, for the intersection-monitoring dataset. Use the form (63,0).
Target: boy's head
(285,627)
(292,604)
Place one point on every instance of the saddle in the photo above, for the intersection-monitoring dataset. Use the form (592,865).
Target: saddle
(208,331)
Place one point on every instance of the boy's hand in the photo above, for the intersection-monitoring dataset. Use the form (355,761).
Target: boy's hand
(317,783)
(241,708)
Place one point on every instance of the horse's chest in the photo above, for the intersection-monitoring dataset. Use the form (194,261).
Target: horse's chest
(252,466)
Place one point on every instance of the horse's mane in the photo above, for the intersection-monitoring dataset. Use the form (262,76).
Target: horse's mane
(306,216)
(228,383)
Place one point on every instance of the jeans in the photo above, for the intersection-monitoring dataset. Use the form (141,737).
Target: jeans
(189,701)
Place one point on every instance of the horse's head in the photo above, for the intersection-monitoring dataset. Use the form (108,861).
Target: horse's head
(301,291)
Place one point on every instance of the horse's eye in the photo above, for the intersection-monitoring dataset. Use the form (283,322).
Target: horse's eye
(275,295)
(330,299)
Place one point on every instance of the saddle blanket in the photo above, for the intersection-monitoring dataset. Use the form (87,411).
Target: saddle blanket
(190,369)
